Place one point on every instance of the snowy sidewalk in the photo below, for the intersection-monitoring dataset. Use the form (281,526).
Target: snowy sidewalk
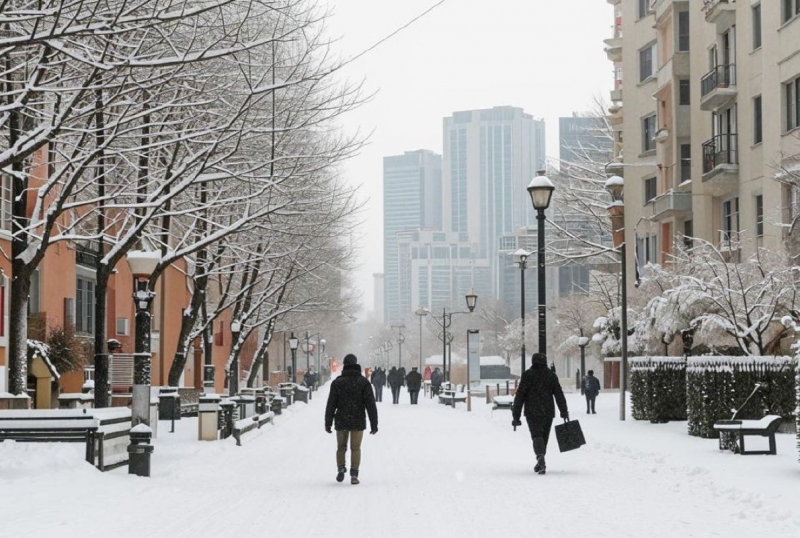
(431,470)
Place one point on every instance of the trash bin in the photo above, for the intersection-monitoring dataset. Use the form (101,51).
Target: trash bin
(301,393)
(169,404)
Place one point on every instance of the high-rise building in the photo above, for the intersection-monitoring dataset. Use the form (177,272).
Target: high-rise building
(583,139)
(412,187)
(711,113)
(489,158)
(377,282)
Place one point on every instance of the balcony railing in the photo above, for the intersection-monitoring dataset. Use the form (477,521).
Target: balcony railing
(722,149)
(722,76)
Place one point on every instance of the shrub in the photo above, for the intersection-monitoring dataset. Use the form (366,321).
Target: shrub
(658,388)
(717,386)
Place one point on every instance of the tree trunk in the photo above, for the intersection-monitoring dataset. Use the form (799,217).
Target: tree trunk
(18,336)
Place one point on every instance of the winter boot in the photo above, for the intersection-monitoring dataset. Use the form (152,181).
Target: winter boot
(539,449)
(340,474)
(354,477)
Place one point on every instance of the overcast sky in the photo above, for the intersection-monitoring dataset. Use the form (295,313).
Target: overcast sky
(545,56)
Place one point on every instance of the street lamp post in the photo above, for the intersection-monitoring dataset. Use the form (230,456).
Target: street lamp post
(233,380)
(447,321)
(400,339)
(142,264)
(522,259)
(421,312)
(582,343)
(541,192)
(293,343)
(615,185)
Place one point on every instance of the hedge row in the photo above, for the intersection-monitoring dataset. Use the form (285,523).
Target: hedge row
(658,388)
(717,386)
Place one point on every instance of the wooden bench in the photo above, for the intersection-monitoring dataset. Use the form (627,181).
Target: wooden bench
(451,397)
(249,424)
(766,427)
(53,426)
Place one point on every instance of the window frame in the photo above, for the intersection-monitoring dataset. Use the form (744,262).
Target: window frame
(756,26)
(650,189)
(683,17)
(649,144)
(684,90)
(758,204)
(758,120)
(651,50)
(85,299)
(792,103)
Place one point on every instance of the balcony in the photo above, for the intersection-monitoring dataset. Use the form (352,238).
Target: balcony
(614,49)
(720,156)
(720,12)
(718,87)
(671,203)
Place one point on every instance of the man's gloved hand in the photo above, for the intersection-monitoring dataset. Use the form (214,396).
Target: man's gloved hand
(516,422)
(328,429)
(373,431)
(565,415)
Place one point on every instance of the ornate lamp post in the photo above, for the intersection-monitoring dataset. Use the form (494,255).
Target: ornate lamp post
(421,312)
(522,259)
(293,343)
(142,264)
(541,192)
(615,185)
(387,347)
(233,380)
(400,339)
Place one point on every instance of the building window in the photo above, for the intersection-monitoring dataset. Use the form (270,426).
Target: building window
(648,133)
(646,62)
(5,202)
(684,91)
(649,189)
(683,31)
(686,162)
(644,8)
(688,234)
(760,216)
(34,294)
(84,305)
(757,27)
(790,9)
(730,221)
(758,133)
(792,91)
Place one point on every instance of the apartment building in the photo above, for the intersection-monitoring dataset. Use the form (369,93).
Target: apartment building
(708,113)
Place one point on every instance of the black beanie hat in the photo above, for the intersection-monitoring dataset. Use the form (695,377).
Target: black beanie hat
(350,359)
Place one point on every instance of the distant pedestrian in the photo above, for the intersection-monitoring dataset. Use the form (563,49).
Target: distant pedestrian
(402,372)
(349,400)
(378,382)
(537,388)
(436,381)
(414,383)
(395,382)
(591,388)
(426,374)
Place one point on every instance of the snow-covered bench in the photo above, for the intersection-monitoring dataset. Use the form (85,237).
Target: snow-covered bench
(766,427)
(241,427)
(451,397)
(47,426)
(502,402)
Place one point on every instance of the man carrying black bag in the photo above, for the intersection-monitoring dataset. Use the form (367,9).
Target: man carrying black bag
(536,390)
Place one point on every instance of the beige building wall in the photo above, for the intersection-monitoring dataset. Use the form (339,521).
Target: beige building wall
(724,70)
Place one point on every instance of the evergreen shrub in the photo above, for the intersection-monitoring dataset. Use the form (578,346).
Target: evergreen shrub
(717,386)
(658,388)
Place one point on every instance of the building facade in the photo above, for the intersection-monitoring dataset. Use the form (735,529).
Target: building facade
(412,187)
(711,105)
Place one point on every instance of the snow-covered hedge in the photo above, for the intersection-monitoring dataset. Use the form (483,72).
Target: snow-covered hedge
(658,388)
(717,386)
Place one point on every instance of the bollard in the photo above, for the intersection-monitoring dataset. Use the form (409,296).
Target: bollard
(488,394)
(469,400)
(140,450)
(506,387)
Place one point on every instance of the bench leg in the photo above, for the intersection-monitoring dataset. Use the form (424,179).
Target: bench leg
(741,443)
(772,448)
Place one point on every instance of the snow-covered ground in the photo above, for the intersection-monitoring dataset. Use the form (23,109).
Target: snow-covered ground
(431,470)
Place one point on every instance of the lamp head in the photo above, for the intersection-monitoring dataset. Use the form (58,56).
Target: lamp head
(541,191)
(293,342)
(521,255)
(615,185)
(472,300)
(236,327)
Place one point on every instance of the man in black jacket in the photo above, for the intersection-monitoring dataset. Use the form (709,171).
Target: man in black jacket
(350,398)
(414,383)
(378,382)
(537,388)
(591,388)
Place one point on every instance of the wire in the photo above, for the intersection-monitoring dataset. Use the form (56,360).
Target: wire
(406,25)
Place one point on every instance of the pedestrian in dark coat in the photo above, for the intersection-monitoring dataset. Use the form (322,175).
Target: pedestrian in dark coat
(414,383)
(436,381)
(536,391)
(378,382)
(591,388)
(349,401)
(402,372)
(395,382)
